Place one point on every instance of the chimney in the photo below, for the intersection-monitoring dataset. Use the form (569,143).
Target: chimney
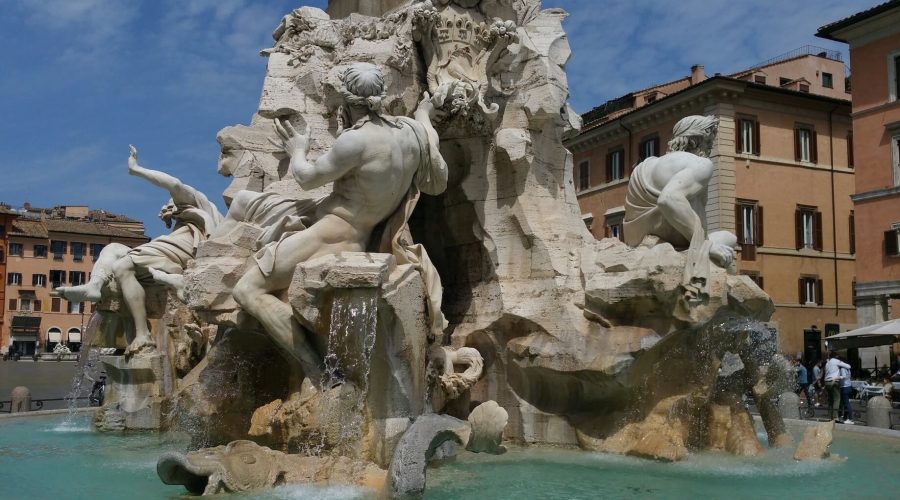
(697,74)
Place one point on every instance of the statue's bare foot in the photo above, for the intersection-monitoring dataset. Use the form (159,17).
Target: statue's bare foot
(89,292)
(142,344)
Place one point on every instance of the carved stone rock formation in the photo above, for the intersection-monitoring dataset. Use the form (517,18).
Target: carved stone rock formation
(406,475)
(488,421)
(246,466)
(815,442)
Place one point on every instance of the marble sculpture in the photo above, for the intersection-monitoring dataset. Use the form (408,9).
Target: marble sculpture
(403,266)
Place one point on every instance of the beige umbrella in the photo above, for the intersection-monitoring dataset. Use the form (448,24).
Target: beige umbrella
(868,336)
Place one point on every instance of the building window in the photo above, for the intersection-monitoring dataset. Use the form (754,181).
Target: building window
(649,147)
(36,305)
(78,251)
(805,144)
(892,243)
(827,80)
(895,158)
(57,278)
(755,277)
(852,231)
(2,256)
(25,304)
(96,248)
(759,79)
(39,280)
(804,87)
(808,226)
(784,81)
(747,137)
(76,278)
(749,227)
(894,76)
(58,248)
(810,290)
(588,221)
(584,175)
(615,165)
(13,278)
(40,251)
(55,304)
(850,148)
(76,307)
(13,304)
(615,226)
(15,249)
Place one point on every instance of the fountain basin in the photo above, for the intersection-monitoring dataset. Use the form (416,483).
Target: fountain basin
(45,457)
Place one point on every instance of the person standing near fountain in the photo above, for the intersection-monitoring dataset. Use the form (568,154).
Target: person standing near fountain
(374,164)
(833,382)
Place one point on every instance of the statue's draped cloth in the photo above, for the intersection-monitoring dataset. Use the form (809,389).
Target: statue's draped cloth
(643,217)
(171,252)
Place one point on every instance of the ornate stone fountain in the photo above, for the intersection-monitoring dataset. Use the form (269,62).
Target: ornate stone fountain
(403,266)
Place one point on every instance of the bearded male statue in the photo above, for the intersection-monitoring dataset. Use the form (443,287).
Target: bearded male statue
(666,199)
(378,164)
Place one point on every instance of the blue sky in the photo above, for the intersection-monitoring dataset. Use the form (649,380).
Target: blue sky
(82,79)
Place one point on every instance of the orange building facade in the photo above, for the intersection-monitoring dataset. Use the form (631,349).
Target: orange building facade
(783,177)
(874,39)
(7,215)
(43,253)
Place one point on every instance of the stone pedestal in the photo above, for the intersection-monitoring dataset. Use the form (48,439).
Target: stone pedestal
(217,267)
(878,412)
(789,405)
(135,393)
(20,400)
(394,375)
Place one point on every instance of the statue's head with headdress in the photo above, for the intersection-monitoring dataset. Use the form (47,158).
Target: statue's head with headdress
(694,134)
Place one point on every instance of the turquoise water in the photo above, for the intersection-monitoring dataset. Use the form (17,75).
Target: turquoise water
(41,458)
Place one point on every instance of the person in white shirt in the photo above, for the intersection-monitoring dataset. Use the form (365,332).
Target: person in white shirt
(833,382)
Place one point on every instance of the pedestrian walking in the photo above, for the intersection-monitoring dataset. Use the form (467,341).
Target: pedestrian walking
(833,383)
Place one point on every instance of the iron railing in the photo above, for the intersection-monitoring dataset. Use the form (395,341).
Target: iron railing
(37,404)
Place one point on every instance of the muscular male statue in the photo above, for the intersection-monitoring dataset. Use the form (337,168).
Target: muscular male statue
(132,268)
(374,163)
(667,199)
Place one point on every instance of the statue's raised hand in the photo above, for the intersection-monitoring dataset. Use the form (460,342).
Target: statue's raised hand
(429,104)
(291,141)
(132,159)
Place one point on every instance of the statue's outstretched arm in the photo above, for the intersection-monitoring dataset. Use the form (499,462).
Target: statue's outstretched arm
(343,157)
(181,193)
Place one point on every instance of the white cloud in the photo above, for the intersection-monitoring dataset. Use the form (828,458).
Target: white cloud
(93,28)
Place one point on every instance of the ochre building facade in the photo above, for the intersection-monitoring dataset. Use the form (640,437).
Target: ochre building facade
(47,249)
(783,177)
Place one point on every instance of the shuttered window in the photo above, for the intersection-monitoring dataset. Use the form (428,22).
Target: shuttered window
(615,165)
(747,139)
(808,227)
(805,148)
(810,290)
(584,175)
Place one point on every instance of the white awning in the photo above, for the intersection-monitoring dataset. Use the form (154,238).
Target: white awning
(74,335)
(54,335)
(868,336)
